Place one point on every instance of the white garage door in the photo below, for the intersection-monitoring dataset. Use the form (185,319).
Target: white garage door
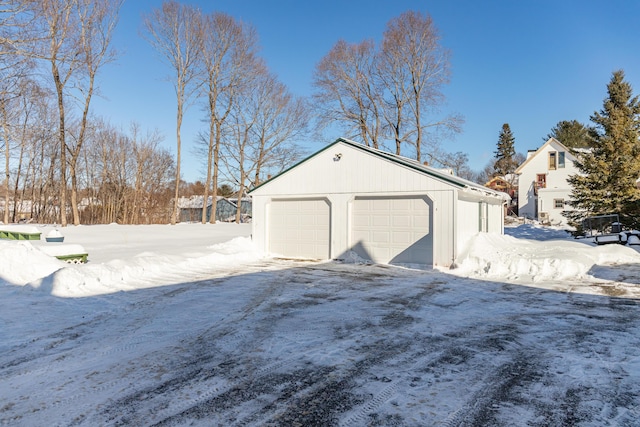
(300,228)
(393,230)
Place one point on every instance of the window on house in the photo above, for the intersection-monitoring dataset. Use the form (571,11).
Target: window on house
(561,159)
(541,180)
(553,157)
(558,203)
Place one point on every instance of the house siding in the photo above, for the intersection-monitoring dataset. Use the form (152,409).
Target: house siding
(529,204)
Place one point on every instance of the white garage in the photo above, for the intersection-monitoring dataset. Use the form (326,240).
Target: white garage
(348,199)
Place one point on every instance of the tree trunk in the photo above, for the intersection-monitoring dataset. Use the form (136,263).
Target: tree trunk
(62,203)
(216,169)
(174,211)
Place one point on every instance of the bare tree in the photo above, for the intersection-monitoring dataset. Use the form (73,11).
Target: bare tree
(24,109)
(175,32)
(391,93)
(55,32)
(240,130)
(14,66)
(130,177)
(72,37)
(346,92)
(7,119)
(262,128)
(281,118)
(97,20)
(227,54)
(415,67)
(145,149)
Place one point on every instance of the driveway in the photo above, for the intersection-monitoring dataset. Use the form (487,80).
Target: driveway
(285,343)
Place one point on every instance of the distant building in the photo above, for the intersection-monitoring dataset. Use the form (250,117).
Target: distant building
(543,189)
(190,209)
(506,184)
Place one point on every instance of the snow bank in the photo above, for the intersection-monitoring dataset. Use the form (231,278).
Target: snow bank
(505,257)
(62,250)
(145,270)
(20,228)
(22,263)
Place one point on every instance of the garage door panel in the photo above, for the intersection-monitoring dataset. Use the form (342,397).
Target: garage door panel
(380,236)
(308,220)
(421,221)
(402,204)
(300,228)
(393,229)
(401,238)
(380,220)
(378,205)
(401,221)
(361,222)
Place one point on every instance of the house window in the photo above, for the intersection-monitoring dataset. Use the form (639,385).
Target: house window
(561,159)
(558,203)
(541,180)
(553,157)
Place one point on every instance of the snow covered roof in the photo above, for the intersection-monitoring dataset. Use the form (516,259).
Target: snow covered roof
(195,202)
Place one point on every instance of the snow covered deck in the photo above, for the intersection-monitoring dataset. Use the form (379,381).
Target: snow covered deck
(19,232)
(74,254)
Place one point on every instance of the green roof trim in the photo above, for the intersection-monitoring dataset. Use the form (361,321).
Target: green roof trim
(409,163)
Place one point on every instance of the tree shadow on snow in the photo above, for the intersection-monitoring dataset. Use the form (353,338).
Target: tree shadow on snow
(622,273)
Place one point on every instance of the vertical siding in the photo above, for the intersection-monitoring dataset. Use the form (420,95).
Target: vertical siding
(496,218)
(355,172)
(259,232)
(358,173)
(444,216)
(468,223)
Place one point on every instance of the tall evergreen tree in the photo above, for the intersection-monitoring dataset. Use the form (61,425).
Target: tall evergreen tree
(607,184)
(505,153)
(571,133)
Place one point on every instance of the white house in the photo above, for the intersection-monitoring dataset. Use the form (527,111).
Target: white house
(543,189)
(348,198)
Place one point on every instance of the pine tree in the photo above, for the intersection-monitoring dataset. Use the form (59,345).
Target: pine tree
(612,166)
(571,133)
(505,153)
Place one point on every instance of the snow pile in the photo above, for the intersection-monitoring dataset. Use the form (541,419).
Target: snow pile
(20,228)
(62,250)
(505,257)
(21,262)
(145,270)
(123,258)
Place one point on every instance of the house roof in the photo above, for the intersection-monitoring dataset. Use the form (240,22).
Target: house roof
(456,181)
(195,202)
(550,141)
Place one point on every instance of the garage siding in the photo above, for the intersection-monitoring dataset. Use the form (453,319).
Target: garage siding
(300,228)
(339,178)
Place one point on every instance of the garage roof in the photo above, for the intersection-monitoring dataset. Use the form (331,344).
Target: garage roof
(456,181)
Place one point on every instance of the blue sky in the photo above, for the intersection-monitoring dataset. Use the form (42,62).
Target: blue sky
(527,63)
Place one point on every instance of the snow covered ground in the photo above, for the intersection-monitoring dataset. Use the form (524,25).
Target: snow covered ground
(190,325)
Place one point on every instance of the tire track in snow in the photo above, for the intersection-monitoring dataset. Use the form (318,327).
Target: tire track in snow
(222,336)
(478,409)
(203,390)
(363,411)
